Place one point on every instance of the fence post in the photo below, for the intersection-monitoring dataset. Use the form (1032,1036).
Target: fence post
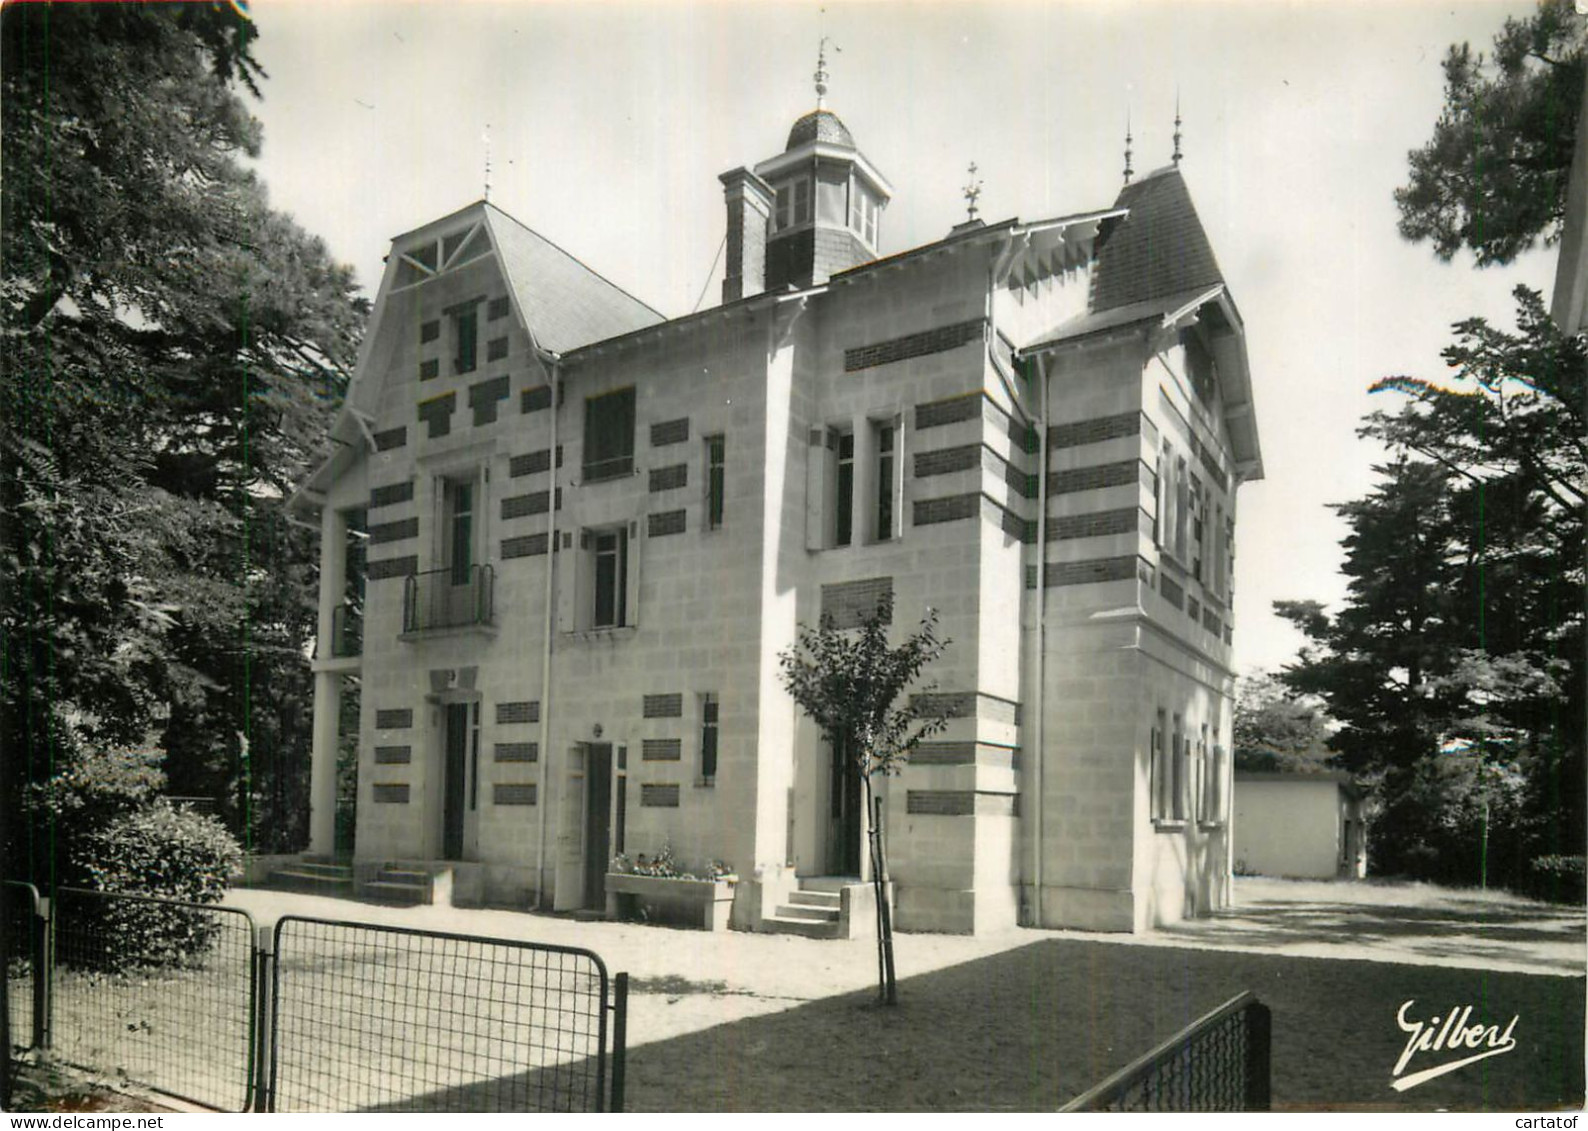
(42,932)
(620,1036)
(262,1027)
(1259,1036)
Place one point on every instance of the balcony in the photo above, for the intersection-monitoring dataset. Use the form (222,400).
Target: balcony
(446,600)
(347,632)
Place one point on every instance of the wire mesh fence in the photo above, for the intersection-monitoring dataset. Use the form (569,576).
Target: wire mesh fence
(25,971)
(1220,1062)
(156,993)
(371,1018)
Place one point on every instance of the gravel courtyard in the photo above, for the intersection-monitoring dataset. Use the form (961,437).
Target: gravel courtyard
(1024,1020)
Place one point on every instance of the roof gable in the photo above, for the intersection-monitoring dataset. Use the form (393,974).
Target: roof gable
(564,304)
(1160,249)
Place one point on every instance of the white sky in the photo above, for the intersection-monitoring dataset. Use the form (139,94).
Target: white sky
(609,124)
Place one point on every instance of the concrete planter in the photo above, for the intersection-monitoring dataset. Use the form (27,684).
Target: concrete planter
(664,899)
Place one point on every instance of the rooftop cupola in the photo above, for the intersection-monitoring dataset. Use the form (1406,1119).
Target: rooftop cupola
(822,201)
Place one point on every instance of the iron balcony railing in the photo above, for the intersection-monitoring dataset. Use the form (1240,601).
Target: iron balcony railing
(448,598)
(347,631)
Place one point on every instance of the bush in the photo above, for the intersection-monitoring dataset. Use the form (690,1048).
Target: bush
(1559,879)
(155,851)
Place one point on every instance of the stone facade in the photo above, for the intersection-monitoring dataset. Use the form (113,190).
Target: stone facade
(961,427)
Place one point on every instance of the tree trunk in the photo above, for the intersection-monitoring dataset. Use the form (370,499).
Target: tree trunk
(879,871)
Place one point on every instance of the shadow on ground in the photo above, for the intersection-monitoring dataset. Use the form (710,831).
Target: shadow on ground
(1030,1028)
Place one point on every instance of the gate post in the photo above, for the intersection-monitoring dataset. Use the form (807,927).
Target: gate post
(1259,1035)
(620,1036)
(262,1031)
(41,940)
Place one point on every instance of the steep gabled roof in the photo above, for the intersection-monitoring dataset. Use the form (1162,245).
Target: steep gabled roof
(1160,249)
(564,304)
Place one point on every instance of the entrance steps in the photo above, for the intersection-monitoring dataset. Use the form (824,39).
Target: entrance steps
(315,875)
(815,910)
(400,883)
(400,886)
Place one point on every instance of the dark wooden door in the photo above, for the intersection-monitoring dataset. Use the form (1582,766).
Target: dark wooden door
(453,789)
(597,822)
(847,813)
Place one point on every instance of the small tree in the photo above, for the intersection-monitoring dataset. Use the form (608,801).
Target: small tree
(849,681)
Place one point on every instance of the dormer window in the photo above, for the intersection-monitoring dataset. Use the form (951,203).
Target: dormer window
(863,215)
(794,203)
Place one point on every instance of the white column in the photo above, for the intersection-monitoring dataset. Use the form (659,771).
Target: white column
(864,524)
(327,686)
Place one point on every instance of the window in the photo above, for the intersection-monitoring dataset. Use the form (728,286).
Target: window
(1212,780)
(1201,780)
(844,489)
(708,737)
(1177,771)
(458,528)
(794,203)
(887,479)
(465,339)
(1182,506)
(609,436)
(1158,503)
(863,214)
(716,480)
(1198,513)
(1158,771)
(611,579)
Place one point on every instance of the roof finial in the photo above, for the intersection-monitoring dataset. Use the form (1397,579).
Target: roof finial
(1177,129)
(821,73)
(487,160)
(1128,169)
(972,191)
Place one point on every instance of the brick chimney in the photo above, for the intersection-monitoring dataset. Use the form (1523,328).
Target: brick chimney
(749,201)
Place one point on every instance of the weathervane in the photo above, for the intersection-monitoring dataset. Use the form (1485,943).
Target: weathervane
(1177,129)
(487,160)
(972,191)
(821,72)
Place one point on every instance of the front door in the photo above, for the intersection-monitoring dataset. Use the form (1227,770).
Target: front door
(846,813)
(453,787)
(597,822)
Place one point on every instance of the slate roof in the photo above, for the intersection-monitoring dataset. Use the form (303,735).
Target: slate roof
(1101,321)
(564,303)
(818,125)
(1159,250)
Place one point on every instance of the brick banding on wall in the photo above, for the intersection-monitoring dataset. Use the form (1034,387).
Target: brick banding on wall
(393,755)
(944,461)
(1193,609)
(391,438)
(1211,622)
(496,308)
(529,463)
(394,718)
(669,432)
(389,794)
(503,793)
(934,414)
(1095,430)
(382,568)
(944,754)
(436,414)
(429,331)
(526,711)
(661,750)
(525,546)
(668,522)
(535,398)
(516,752)
(1021,482)
(391,494)
(429,369)
(659,796)
(914,345)
(663,706)
(940,802)
(1091,571)
(485,397)
(1120,474)
(1124,520)
(946,509)
(669,478)
(383,532)
(520,506)
(849,603)
(949,704)
(1171,590)
(496,349)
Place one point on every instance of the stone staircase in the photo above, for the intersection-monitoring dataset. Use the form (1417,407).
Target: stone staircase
(401,886)
(315,875)
(398,884)
(815,910)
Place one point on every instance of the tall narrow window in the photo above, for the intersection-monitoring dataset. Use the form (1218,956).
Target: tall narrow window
(844,499)
(708,737)
(611,579)
(459,549)
(1198,525)
(794,203)
(1158,501)
(609,436)
(716,480)
(466,334)
(1182,506)
(886,480)
(1177,771)
(1207,805)
(474,756)
(1158,771)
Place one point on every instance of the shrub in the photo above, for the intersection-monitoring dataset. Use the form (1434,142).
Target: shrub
(1559,879)
(155,851)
